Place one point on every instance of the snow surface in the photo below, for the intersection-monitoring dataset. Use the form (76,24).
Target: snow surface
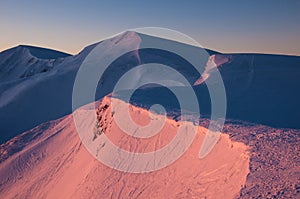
(55,164)
(43,87)
(51,161)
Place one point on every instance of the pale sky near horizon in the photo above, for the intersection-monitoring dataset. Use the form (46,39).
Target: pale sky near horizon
(225,26)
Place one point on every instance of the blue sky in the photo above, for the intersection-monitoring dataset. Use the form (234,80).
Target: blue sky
(225,26)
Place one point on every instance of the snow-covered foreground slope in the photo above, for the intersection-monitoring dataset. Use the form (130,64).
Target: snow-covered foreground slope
(249,161)
(51,162)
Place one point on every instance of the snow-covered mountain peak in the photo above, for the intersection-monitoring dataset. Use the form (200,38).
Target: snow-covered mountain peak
(44,86)
(43,53)
(25,61)
(38,52)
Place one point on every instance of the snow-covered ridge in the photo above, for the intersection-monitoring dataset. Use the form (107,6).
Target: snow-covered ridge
(43,87)
(45,53)
(55,163)
(25,61)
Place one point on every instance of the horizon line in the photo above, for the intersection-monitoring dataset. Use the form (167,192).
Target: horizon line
(92,43)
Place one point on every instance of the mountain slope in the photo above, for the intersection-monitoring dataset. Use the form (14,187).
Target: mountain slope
(24,61)
(259,88)
(43,86)
(44,53)
(250,160)
(54,163)
(262,89)
(48,95)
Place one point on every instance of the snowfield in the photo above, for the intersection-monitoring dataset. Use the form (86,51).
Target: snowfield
(55,164)
(42,155)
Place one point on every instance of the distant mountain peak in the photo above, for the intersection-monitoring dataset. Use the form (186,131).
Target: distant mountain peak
(44,53)
(38,52)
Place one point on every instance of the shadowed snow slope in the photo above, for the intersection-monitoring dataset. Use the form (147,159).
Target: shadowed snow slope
(43,53)
(51,162)
(24,61)
(260,88)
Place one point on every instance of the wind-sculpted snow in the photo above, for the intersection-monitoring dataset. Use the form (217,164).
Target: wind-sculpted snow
(212,64)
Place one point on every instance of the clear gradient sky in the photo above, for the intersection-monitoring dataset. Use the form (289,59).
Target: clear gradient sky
(226,26)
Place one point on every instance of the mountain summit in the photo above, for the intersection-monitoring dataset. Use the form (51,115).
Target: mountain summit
(260,88)
(42,156)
